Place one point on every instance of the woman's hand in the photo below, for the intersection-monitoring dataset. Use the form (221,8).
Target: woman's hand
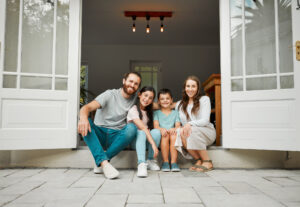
(163,132)
(186,130)
(172,131)
(84,126)
(155,150)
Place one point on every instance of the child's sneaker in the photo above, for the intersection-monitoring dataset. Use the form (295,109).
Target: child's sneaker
(152,165)
(174,167)
(165,167)
(142,170)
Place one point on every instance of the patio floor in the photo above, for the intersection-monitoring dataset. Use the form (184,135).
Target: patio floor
(80,187)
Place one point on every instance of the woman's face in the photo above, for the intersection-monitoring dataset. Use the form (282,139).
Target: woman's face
(146,98)
(191,88)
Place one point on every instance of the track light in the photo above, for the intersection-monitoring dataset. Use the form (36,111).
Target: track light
(161,24)
(133,25)
(148,27)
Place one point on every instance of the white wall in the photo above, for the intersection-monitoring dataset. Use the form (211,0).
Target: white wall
(107,63)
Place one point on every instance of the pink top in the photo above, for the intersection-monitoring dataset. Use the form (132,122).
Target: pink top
(134,114)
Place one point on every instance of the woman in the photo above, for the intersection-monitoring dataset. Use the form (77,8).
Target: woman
(197,132)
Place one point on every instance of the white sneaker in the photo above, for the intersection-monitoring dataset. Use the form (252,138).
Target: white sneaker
(152,165)
(109,171)
(142,170)
(97,170)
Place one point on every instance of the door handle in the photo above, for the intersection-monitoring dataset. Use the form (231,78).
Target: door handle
(298,50)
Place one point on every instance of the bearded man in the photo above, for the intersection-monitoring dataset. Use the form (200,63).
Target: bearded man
(109,129)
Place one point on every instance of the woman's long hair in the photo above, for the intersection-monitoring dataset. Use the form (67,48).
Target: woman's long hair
(185,98)
(149,108)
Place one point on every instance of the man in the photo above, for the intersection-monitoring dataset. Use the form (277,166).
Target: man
(109,129)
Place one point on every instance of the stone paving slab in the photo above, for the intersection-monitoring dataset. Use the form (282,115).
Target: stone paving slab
(81,187)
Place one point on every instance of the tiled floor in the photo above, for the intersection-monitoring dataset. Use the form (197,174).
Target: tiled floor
(80,187)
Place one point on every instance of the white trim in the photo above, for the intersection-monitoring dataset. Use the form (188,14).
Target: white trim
(243,45)
(54,45)
(20,44)
(35,74)
(277,43)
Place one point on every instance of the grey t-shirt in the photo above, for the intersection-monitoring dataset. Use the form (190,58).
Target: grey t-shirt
(114,109)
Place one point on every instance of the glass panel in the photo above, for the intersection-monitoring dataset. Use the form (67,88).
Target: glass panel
(11,35)
(237,85)
(37,39)
(285,36)
(9,81)
(146,68)
(61,84)
(35,82)
(62,37)
(263,83)
(260,37)
(236,38)
(155,82)
(287,81)
(146,79)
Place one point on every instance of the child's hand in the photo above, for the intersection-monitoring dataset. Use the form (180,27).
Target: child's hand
(155,150)
(163,132)
(172,131)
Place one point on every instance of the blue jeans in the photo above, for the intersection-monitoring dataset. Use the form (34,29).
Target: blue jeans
(141,144)
(114,141)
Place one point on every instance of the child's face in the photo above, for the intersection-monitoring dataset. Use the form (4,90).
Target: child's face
(165,100)
(146,98)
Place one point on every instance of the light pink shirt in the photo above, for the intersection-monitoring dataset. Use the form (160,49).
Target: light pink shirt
(134,114)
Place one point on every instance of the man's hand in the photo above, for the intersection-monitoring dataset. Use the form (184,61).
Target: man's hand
(163,132)
(84,126)
(172,131)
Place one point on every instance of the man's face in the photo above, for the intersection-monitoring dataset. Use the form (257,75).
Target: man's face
(131,84)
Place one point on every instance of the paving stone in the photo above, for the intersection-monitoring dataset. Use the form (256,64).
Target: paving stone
(211,190)
(6,172)
(239,188)
(152,177)
(21,188)
(24,205)
(283,181)
(181,195)
(88,182)
(165,205)
(108,200)
(7,181)
(175,175)
(188,173)
(25,173)
(7,198)
(49,174)
(238,200)
(284,194)
(188,182)
(144,199)
(292,204)
(297,178)
(115,187)
(277,173)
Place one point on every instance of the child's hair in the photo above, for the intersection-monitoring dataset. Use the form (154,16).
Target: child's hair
(164,91)
(149,108)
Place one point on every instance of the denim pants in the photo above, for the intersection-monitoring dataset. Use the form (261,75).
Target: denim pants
(141,144)
(114,141)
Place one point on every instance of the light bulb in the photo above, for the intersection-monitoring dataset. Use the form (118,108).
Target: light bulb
(133,28)
(147,29)
(161,28)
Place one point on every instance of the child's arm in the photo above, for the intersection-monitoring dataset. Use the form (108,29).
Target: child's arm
(163,131)
(141,126)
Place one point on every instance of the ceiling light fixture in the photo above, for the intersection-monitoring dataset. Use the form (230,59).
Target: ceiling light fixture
(148,14)
(161,24)
(133,25)
(148,27)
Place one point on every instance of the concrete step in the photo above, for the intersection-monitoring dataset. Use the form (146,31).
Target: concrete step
(82,158)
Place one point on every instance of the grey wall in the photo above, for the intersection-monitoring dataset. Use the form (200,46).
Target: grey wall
(107,63)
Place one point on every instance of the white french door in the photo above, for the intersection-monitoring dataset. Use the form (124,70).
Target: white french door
(260,74)
(39,73)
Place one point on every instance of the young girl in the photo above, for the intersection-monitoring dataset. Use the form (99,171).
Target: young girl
(197,131)
(167,121)
(141,115)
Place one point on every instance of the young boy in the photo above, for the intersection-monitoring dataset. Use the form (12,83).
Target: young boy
(167,121)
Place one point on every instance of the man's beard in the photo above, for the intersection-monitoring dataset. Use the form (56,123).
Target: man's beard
(125,89)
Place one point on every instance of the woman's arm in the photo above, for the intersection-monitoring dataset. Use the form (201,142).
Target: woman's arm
(203,117)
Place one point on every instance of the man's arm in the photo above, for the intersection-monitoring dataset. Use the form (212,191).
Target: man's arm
(83,124)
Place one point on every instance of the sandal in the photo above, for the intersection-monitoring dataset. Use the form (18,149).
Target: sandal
(195,166)
(203,168)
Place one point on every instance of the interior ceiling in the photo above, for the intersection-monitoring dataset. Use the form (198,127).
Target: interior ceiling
(194,22)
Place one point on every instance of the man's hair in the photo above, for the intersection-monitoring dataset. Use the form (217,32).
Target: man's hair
(125,76)
(164,91)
